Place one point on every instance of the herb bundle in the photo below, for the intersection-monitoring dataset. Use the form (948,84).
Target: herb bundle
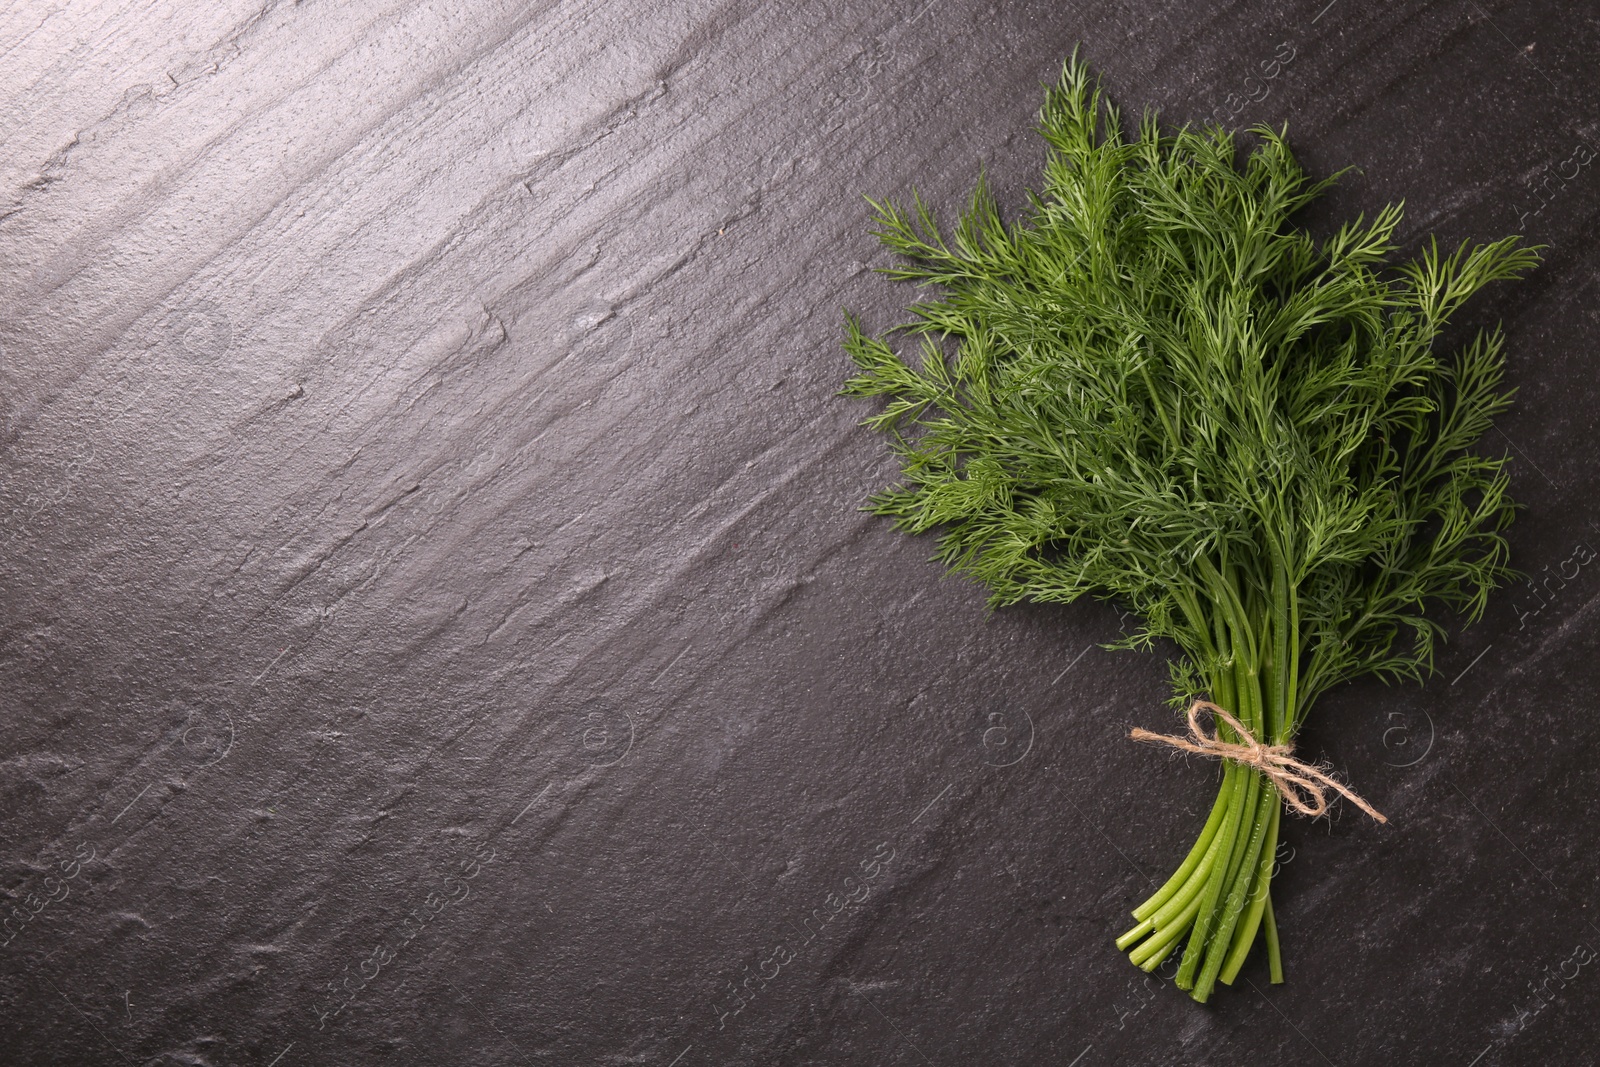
(1155,388)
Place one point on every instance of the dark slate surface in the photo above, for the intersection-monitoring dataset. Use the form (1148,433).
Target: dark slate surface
(437,626)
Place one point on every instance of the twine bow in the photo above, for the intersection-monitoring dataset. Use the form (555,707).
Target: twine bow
(1304,787)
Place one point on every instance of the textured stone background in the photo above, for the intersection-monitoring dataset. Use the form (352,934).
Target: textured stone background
(435,622)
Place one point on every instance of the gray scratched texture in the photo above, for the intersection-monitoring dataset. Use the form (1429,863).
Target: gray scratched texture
(437,625)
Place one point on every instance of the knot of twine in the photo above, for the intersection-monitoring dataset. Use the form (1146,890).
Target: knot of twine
(1304,786)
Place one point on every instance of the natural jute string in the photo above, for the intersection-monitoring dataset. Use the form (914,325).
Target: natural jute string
(1304,787)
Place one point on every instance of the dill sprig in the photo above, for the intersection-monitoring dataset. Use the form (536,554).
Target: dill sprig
(1155,388)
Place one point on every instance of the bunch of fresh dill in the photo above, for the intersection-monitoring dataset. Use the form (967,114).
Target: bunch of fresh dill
(1155,388)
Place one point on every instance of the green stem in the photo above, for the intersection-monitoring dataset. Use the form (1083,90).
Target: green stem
(1220,895)
(1132,937)
(1274,958)
(1180,877)
(1282,641)
(1167,914)
(1245,935)
(1215,884)
(1214,922)
(1165,939)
